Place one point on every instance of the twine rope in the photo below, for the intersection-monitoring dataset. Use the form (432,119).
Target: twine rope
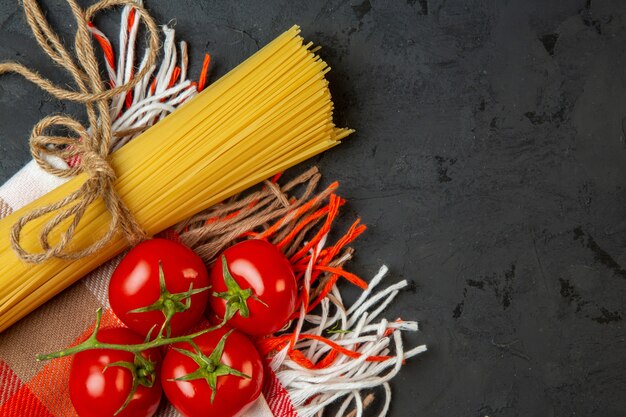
(93,144)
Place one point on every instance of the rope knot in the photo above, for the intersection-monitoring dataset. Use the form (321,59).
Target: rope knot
(92,144)
(97,166)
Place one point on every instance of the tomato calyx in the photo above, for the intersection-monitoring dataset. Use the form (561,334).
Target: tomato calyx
(209,367)
(143,372)
(169,303)
(236,297)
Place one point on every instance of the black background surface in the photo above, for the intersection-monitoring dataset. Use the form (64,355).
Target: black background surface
(489,163)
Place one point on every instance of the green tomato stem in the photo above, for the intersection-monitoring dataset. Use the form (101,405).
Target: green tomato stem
(93,343)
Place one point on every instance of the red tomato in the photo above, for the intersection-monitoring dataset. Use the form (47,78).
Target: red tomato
(261,267)
(135,284)
(238,375)
(96,392)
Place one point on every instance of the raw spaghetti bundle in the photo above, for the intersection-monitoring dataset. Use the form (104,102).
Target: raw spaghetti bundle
(269,113)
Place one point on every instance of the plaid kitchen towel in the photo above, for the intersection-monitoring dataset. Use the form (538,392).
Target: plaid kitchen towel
(333,365)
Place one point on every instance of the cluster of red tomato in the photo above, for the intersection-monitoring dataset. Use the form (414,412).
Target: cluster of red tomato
(160,291)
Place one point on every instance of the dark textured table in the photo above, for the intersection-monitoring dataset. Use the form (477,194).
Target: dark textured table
(489,163)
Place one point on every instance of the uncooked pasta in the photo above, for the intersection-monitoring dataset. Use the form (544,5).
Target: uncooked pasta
(269,113)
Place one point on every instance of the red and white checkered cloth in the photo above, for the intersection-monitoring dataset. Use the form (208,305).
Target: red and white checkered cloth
(40,389)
